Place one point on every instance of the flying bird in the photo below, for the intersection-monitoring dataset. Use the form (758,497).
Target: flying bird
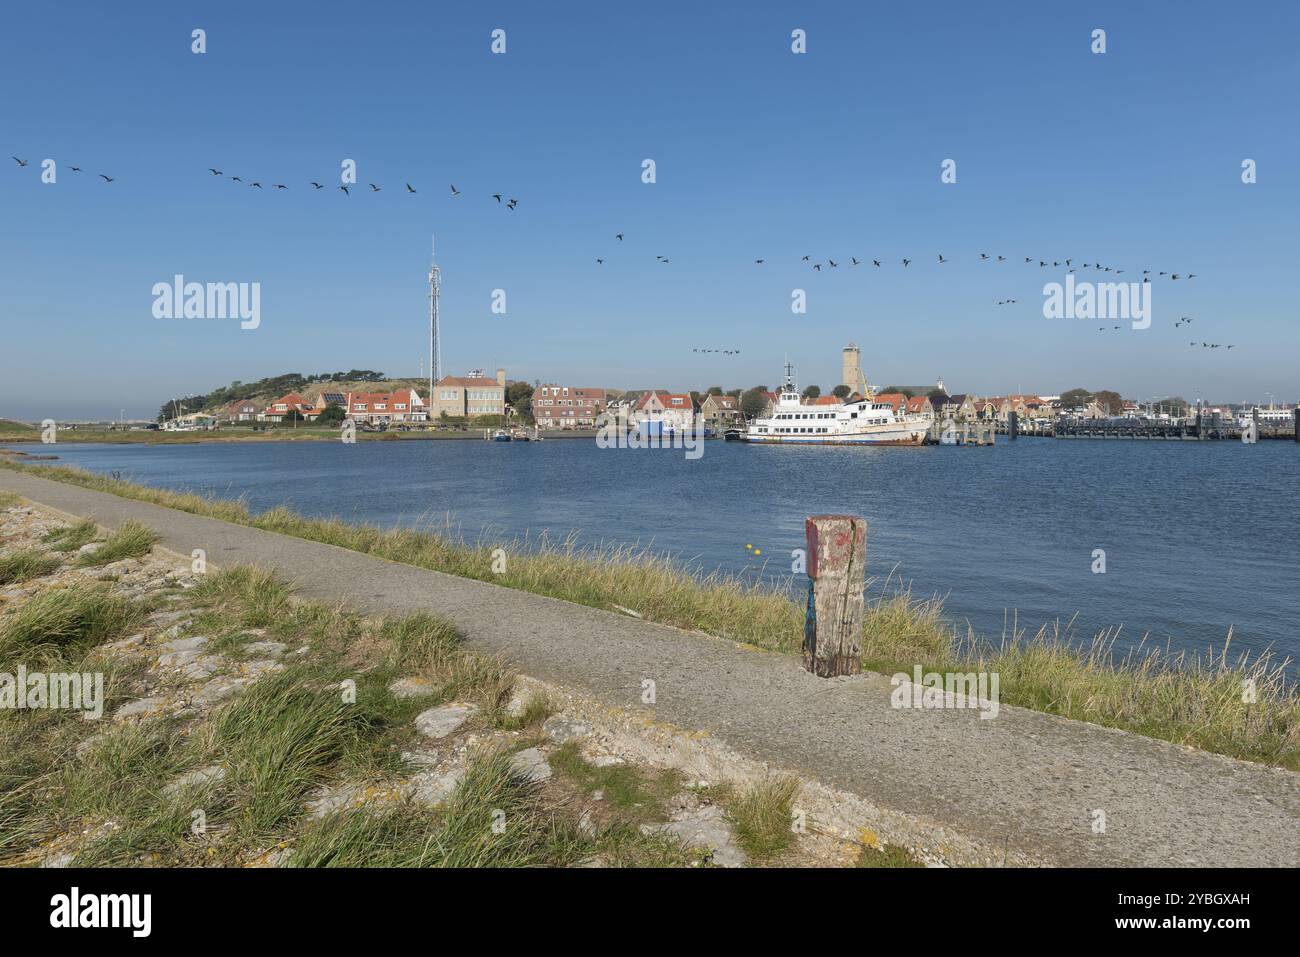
(497,197)
(107,179)
(345,191)
(77,169)
(817,266)
(834,264)
(855,260)
(18,161)
(941,259)
(875,262)
(803,260)
(214,172)
(255,183)
(279,186)
(316,185)
(907,262)
(512,204)
(619,237)
(236,179)
(600,262)
(454,190)
(410,188)
(373,187)
(760,261)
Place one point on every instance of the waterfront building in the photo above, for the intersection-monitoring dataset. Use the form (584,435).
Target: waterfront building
(669,411)
(281,408)
(567,407)
(960,407)
(919,405)
(895,400)
(722,412)
(375,408)
(242,410)
(469,396)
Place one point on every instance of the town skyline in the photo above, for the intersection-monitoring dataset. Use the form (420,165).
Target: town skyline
(1131,158)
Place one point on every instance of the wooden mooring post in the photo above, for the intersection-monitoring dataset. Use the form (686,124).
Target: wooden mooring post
(837,561)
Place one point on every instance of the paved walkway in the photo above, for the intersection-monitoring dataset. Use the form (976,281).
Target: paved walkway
(1027,779)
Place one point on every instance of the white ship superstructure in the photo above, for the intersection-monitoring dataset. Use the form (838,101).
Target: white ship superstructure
(862,421)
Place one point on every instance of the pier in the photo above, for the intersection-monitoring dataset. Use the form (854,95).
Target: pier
(1200,428)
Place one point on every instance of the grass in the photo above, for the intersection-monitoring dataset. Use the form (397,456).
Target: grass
(69,538)
(886,855)
(278,741)
(1187,699)
(495,818)
(762,816)
(634,794)
(67,620)
(8,499)
(131,539)
(24,564)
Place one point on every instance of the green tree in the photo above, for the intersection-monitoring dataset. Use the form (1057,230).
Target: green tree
(1075,397)
(519,396)
(841,391)
(753,402)
(1111,402)
(333,414)
(812,392)
(715,390)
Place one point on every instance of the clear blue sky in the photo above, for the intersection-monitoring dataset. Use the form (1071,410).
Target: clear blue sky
(1132,157)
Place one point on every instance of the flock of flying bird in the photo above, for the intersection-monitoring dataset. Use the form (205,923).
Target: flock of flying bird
(513,203)
(76,169)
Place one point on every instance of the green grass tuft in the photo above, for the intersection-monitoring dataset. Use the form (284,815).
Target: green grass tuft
(71,537)
(67,619)
(762,816)
(130,540)
(24,564)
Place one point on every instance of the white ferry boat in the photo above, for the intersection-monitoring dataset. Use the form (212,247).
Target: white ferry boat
(861,422)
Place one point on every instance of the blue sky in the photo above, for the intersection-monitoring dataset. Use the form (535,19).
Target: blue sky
(1131,158)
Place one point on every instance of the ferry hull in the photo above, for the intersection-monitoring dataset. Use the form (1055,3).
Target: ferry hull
(833,440)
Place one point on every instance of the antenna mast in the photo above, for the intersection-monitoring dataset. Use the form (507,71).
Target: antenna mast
(435,349)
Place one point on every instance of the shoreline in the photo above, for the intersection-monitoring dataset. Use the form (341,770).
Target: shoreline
(107,437)
(719,699)
(1190,700)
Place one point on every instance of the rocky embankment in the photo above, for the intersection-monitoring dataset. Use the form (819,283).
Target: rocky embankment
(623,789)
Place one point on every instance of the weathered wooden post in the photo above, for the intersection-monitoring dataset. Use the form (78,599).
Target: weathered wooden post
(837,561)
(1295,419)
(1013,425)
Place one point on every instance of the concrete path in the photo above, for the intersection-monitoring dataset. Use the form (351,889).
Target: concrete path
(1030,780)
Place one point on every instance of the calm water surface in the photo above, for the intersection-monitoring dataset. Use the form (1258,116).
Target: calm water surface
(1198,537)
